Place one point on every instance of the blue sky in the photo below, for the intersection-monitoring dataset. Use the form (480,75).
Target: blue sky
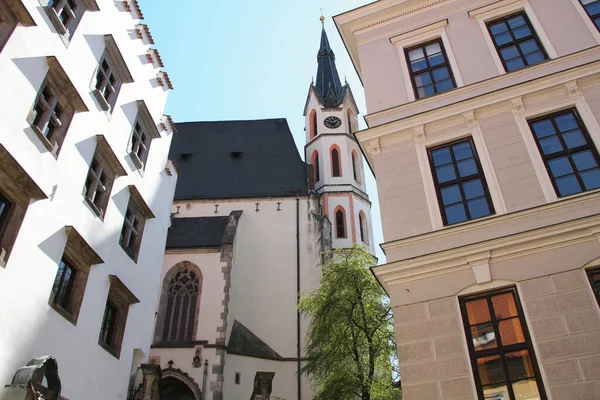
(249,59)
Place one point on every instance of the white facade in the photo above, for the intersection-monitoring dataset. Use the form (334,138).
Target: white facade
(30,326)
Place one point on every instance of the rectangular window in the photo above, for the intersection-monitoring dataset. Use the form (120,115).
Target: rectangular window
(63,284)
(48,113)
(502,356)
(109,322)
(98,185)
(516,42)
(568,152)
(65,15)
(140,144)
(459,181)
(592,8)
(430,70)
(5,207)
(108,84)
(594,276)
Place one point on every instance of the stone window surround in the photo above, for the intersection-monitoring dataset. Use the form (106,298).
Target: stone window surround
(12,13)
(522,114)
(120,297)
(164,290)
(150,129)
(474,131)
(67,98)
(142,211)
(110,165)
(66,32)
(20,189)
(594,270)
(587,20)
(500,9)
(424,34)
(490,288)
(81,257)
(115,59)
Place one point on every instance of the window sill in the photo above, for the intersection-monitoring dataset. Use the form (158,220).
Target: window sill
(99,213)
(52,148)
(102,101)
(64,313)
(113,352)
(138,163)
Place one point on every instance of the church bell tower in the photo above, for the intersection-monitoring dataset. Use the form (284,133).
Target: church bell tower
(331,148)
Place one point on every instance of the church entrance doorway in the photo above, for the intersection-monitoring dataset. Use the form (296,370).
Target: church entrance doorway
(174,389)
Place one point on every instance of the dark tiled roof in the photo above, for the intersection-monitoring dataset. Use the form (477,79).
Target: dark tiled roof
(199,232)
(237,159)
(328,83)
(243,342)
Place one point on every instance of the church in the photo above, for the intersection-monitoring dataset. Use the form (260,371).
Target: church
(251,222)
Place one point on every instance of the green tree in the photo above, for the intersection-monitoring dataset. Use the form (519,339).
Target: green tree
(350,343)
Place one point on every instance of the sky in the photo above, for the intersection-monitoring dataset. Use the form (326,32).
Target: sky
(250,59)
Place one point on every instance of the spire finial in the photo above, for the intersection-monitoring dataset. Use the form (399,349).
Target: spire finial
(322,18)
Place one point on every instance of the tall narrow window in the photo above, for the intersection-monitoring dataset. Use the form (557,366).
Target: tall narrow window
(569,154)
(430,70)
(140,144)
(516,42)
(362,221)
(502,355)
(63,284)
(133,226)
(108,327)
(350,122)
(313,124)
(335,162)
(355,166)
(181,310)
(594,276)
(460,184)
(110,75)
(5,207)
(592,8)
(340,224)
(315,163)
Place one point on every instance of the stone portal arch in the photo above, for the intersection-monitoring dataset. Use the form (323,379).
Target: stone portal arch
(177,385)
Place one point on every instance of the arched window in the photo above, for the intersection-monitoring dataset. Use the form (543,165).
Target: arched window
(313,124)
(355,166)
(180,313)
(315,163)
(350,122)
(336,170)
(362,221)
(340,223)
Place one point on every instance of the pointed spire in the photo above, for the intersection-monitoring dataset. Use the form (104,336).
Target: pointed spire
(328,83)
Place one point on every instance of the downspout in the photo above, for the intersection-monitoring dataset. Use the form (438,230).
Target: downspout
(299,377)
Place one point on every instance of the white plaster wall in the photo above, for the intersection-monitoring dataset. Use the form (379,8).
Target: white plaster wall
(29,326)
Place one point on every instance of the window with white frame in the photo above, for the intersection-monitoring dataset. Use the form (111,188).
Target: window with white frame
(54,107)
(104,169)
(111,74)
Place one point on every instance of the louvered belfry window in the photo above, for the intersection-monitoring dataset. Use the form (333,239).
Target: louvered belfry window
(181,306)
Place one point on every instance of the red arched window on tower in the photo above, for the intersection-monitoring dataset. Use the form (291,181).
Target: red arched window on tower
(336,169)
(340,222)
(313,124)
(355,166)
(350,122)
(315,163)
(362,222)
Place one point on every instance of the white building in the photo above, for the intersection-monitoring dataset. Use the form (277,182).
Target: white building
(85,192)
(251,221)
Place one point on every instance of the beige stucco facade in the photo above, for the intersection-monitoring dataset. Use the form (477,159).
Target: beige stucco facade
(536,241)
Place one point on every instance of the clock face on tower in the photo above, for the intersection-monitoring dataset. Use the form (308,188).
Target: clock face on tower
(332,122)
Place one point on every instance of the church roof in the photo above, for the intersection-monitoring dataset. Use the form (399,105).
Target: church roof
(237,159)
(194,233)
(328,83)
(243,341)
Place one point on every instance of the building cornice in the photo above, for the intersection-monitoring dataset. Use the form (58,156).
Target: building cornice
(493,95)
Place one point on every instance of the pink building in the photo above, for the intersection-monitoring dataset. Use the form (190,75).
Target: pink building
(484,136)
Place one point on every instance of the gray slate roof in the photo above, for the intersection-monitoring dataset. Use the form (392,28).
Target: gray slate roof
(243,342)
(237,159)
(201,232)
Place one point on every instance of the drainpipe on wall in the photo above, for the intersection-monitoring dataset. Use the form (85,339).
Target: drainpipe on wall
(204,379)
(298,296)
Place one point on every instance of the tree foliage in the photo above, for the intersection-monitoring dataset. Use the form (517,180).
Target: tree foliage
(350,340)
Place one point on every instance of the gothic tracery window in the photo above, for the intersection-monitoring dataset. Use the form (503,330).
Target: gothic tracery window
(181,306)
